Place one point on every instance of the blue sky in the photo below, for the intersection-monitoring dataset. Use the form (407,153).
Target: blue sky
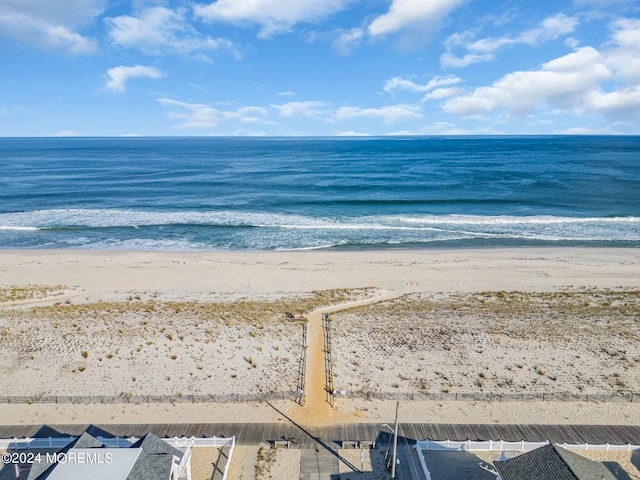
(319,67)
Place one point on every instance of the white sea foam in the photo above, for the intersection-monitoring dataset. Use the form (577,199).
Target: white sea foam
(18,228)
(507,220)
(71,228)
(95,218)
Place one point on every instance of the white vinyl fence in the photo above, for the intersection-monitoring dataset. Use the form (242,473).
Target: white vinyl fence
(502,446)
(181,443)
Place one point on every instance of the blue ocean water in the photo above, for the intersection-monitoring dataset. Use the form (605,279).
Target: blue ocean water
(307,193)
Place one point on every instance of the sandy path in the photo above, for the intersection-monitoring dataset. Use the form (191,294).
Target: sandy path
(316,408)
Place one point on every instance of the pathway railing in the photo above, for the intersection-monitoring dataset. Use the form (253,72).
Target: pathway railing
(328,364)
(302,367)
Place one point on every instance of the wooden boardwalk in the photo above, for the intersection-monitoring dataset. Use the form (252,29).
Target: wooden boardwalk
(318,464)
(262,433)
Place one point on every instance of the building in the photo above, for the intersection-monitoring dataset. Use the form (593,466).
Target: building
(150,458)
(551,463)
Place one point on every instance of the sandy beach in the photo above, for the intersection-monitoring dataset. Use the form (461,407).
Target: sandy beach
(499,321)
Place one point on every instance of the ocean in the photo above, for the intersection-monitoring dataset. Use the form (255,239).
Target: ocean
(319,193)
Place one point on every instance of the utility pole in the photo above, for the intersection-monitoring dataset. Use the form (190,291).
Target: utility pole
(395,445)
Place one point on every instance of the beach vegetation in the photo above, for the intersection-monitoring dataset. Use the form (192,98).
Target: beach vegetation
(85,353)
(539,370)
(19,293)
(515,329)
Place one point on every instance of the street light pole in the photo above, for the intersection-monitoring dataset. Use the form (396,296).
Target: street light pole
(395,445)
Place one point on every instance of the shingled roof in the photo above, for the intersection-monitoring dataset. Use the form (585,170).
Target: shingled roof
(552,463)
(155,460)
(42,469)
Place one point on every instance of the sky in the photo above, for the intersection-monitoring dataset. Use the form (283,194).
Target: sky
(319,67)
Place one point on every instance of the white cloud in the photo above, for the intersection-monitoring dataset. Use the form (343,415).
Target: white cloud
(390,114)
(193,115)
(411,14)
(446,128)
(589,131)
(200,116)
(345,43)
(440,93)
(450,60)
(305,109)
(599,3)
(624,57)
(274,16)
(158,29)
(50,24)
(567,82)
(623,104)
(243,133)
(286,93)
(67,133)
(351,133)
(400,83)
(587,81)
(120,75)
(484,50)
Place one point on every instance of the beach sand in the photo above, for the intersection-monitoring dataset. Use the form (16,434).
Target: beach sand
(101,323)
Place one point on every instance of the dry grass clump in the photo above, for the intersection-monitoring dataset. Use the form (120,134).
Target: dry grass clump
(16,293)
(585,340)
(554,316)
(198,346)
(253,312)
(266,457)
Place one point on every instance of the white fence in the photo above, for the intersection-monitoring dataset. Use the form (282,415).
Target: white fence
(181,443)
(502,446)
(522,446)
(124,442)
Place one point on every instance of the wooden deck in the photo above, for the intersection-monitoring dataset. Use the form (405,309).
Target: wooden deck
(257,433)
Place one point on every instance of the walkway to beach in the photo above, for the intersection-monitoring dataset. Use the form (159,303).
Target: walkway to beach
(317,410)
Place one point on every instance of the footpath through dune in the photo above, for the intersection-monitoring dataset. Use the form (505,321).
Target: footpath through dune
(317,410)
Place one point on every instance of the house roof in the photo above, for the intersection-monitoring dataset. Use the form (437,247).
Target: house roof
(155,460)
(150,458)
(552,463)
(38,469)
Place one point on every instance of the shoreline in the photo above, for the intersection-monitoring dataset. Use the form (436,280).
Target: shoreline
(143,289)
(250,273)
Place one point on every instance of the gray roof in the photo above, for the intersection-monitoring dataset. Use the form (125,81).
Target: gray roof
(86,440)
(552,463)
(154,463)
(38,469)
